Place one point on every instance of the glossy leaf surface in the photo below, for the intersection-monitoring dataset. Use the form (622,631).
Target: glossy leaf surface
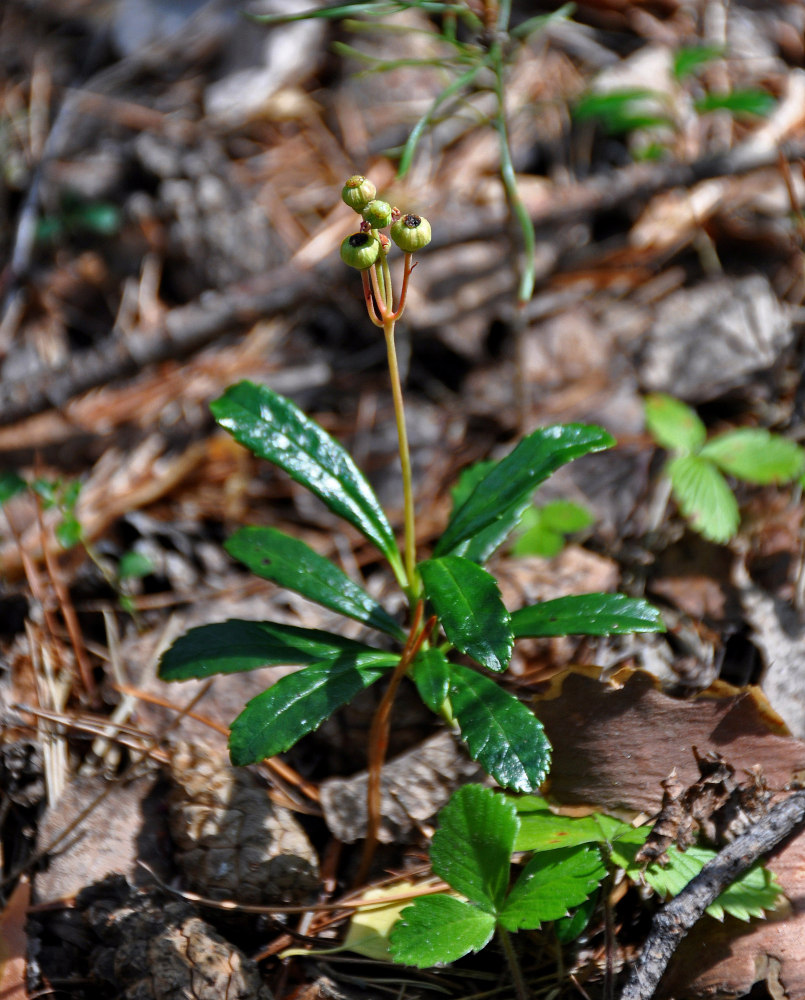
(472,847)
(504,736)
(291,563)
(587,614)
(296,705)
(10,485)
(549,885)
(468,603)
(273,428)
(236,645)
(484,543)
(440,929)
(501,494)
(430,672)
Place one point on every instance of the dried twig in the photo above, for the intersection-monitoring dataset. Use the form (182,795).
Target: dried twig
(677,917)
(190,327)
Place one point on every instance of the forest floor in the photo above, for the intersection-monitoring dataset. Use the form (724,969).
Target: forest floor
(169,225)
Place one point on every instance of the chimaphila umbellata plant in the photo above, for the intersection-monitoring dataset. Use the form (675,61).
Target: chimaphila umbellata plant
(453,605)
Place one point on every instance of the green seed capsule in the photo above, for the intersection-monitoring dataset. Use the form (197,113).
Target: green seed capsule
(358,192)
(360,250)
(377,213)
(411,233)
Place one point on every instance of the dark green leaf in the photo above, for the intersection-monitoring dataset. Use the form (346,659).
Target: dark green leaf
(484,543)
(503,492)
(236,645)
(673,424)
(468,604)
(755,455)
(704,497)
(10,485)
(472,847)
(569,928)
(430,672)
(439,929)
(297,704)
(274,428)
(504,736)
(587,614)
(550,884)
(291,563)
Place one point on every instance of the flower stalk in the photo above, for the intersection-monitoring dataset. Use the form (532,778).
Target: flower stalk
(410,233)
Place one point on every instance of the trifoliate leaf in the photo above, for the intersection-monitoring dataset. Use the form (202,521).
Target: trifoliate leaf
(10,485)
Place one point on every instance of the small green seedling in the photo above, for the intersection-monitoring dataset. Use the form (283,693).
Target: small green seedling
(454,606)
(62,495)
(472,850)
(543,531)
(697,466)
(542,830)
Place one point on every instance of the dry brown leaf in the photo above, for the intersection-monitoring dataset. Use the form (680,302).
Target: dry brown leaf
(14,943)
(614,744)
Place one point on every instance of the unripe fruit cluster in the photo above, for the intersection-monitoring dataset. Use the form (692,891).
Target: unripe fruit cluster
(361,250)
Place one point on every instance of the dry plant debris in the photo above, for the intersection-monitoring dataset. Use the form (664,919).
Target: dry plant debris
(168,226)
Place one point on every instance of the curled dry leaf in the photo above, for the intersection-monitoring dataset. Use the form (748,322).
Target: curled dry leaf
(613,746)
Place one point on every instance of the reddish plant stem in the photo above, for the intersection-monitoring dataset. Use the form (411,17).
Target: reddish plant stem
(379,737)
(369,300)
